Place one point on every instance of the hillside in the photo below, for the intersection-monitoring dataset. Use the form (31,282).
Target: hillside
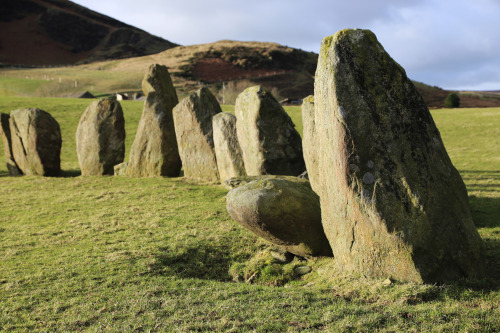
(434,97)
(288,72)
(226,67)
(58,32)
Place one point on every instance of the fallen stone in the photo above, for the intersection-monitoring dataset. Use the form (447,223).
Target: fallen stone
(302,270)
(193,129)
(154,151)
(392,202)
(7,145)
(120,169)
(267,136)
(284,211)
(100,138)
(281,256)
(227,148)
(387,282)
(36,142)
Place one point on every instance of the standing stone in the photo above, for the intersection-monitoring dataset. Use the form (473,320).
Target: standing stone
(193,129)
(36,142)
(392,203)
(100,138)
(309,138)
(267,136)
(7,145)
(227,148)
(154,151)
(283,210)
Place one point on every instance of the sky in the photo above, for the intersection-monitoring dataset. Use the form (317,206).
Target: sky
(452,44)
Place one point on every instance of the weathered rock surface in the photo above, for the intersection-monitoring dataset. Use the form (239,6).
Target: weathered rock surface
(392,203)
(154,151)
(309,138)
(100,138)
(193,129)
(267,136)
(120,169)
(36,142)
(235,182)
(227,148)
(284,211)
(7,145)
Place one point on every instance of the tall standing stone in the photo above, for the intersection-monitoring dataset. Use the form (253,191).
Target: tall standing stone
(309,138)
(154,151)
(267,136)
(36,142)
(7,145)
(227,148)
(100,138)
(193,129)
(392,203)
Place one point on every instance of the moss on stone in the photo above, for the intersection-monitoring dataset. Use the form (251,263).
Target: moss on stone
(282,210)
(392,203)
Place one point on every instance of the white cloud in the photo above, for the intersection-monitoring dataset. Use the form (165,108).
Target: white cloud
(448,44)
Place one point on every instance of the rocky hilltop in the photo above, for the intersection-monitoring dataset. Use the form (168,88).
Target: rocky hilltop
(59,32)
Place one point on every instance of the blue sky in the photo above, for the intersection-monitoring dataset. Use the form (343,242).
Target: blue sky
(453,44)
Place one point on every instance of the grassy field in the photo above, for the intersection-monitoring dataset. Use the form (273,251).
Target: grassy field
(123,254)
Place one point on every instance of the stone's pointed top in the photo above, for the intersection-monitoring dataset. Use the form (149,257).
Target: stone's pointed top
(308,99)
(157,79)
(357,37)
(255,89)
(204,95)
(224,117)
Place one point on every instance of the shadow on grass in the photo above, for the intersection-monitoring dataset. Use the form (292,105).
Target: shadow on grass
(63,174)
(483,181)
(202,262)
(70,173)
(486,215)
(485,211)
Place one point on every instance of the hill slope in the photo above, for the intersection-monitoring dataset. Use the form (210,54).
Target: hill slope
(56,32)
(287,71)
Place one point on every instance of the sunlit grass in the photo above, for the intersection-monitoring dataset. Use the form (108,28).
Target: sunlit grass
(153,254)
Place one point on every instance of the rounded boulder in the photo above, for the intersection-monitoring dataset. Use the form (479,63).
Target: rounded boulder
(284,211)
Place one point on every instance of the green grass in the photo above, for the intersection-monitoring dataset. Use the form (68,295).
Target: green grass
(52,82)
(12,86)
(124,254)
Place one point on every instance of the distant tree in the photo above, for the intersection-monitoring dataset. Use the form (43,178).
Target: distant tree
(452,101)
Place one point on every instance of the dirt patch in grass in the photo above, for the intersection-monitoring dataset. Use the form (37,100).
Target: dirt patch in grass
(216,70)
